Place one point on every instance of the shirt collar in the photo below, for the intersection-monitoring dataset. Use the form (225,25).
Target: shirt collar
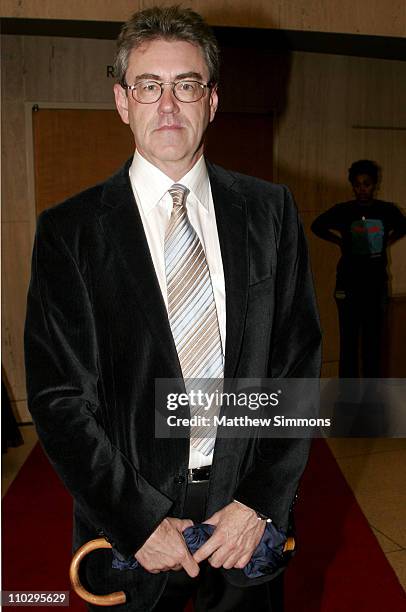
(197,181)
(151,184)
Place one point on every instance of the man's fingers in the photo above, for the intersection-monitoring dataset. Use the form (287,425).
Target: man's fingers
(186,523)
(180,524)
(166,548)
(242,562)
(235,559)
(189,565)
(163,563)
(205,551)
(230,562)
(214,519)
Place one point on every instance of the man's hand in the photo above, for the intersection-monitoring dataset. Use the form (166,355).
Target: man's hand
(166,549)
(237,534)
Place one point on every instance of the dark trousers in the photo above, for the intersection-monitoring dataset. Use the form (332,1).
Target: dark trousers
(210,591)
(361,314)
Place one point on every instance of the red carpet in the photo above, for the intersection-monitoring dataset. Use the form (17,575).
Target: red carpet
(339,566)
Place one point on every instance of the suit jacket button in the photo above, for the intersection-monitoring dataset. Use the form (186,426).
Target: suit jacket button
(179,479)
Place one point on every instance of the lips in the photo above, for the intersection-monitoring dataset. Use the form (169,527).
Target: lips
(168,127)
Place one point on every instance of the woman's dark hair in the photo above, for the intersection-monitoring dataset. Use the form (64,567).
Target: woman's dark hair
(364,166)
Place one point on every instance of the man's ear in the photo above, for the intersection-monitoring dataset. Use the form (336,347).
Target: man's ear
(213,102)
(121,98)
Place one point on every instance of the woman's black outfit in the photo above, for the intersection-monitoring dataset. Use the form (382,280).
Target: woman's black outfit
(362,279)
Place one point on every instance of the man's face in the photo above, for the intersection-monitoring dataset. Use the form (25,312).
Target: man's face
(168,133)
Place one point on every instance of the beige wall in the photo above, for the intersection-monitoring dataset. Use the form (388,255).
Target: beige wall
(374,17)
(326,97)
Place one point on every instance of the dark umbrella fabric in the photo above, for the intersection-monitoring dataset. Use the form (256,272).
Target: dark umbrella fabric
(267,558)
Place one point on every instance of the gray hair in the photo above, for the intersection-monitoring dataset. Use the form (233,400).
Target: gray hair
(167,23)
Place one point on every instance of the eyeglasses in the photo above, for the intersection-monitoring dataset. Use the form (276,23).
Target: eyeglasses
(148,92)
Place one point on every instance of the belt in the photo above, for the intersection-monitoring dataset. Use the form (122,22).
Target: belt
(201,474)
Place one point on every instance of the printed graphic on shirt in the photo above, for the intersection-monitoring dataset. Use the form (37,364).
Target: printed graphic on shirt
(367,237)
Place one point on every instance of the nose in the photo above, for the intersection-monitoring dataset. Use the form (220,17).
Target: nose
(168,102)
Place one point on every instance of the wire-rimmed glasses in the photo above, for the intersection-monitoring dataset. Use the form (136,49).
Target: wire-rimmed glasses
(148,91)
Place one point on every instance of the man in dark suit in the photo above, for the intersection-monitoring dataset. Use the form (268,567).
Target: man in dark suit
(103,325)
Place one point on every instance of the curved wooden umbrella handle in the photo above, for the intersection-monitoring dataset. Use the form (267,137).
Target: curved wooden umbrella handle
(113,599)
(289,544)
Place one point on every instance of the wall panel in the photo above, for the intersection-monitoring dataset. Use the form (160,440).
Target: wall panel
(16,263)
(14,165)
(380,17)
(327,96)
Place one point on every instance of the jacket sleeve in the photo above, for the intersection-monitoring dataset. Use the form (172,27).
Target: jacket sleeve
(295,352)
(63,382)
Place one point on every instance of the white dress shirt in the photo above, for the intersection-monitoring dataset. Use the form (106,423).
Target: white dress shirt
(150,186)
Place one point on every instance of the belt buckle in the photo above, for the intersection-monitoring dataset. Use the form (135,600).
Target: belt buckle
(190,477)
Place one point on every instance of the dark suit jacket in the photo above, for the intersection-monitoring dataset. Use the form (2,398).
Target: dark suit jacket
(97,336)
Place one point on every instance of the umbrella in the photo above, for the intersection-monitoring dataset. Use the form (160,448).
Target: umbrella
(271,553)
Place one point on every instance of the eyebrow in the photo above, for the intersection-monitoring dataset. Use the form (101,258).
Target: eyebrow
(190,75)
(156,77)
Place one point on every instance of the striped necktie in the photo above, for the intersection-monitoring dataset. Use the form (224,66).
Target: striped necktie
(192,312)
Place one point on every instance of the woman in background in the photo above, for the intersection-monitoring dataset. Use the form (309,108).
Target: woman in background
(363,228)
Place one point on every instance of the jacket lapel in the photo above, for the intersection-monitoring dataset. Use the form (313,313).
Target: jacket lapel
(123,228)
(232,227)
